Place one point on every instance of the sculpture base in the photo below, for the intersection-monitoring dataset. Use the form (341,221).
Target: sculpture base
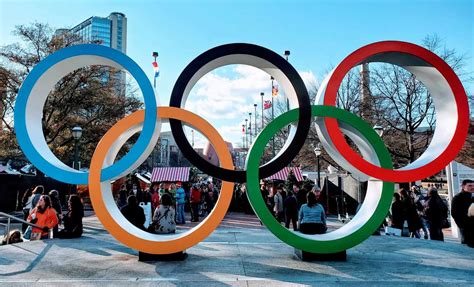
(178,256)
(309,256)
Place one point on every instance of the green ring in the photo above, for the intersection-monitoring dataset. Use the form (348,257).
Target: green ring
(296,239)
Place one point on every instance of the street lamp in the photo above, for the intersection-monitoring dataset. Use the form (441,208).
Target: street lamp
(255,119)
(317,151)
(243,137)
(273,117)
(250,128)
(246,130)
(378,129)
(76,134)
(261,95)
(287,54)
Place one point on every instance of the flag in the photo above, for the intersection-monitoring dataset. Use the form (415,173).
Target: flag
(267,104)
(275,90)
(156,68)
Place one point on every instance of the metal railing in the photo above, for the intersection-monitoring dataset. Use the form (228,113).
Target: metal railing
(11,217)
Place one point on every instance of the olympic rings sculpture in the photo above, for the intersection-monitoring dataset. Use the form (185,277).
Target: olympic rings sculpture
(332,124)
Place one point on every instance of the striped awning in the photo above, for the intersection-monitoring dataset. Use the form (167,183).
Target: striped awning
(170,174)
(283,174)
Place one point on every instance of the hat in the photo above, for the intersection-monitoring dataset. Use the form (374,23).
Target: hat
(178,183)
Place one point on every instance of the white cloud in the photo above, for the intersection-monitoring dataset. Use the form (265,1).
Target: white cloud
(225,96)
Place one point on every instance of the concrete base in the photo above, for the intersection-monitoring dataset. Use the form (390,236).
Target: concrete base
(308,256)
(178,256)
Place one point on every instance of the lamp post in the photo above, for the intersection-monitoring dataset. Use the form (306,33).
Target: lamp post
(246,129)
(243,136)
(287,54)
(317,151)
(192,134)
(250,129)
(261,95)
(76,134)
(255,120)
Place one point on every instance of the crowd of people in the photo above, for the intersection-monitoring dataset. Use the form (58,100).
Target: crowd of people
(168,204)
(296,206)
(45,216)
(412,210)
(428,214)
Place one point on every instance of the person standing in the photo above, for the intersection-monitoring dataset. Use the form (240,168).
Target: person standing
(436,213)
(459,210)
(122,198)
(397,217)
(195,202)
(278,206)
(411,215)
(291,211)
(180,201)
(155,197)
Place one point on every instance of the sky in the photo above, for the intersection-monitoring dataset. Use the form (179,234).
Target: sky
(319,34)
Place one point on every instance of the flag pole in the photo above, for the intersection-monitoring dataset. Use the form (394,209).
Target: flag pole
(273,116)
(153,154)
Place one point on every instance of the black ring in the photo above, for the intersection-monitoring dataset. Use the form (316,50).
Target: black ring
(304,120)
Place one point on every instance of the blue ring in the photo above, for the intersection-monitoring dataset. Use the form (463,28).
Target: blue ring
(76,177)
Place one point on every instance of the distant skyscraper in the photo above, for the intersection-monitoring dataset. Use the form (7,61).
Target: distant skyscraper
(109,31)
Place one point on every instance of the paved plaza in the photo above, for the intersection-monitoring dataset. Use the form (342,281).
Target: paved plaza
(240,252)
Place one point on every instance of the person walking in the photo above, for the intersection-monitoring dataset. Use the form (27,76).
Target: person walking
(460,206)
(312,216)
(180,201)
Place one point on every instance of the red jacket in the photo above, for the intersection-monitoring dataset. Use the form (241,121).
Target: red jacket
(48,218)
(155,200)
(195,195)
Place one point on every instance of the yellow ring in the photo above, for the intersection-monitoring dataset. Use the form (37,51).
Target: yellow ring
(159,246)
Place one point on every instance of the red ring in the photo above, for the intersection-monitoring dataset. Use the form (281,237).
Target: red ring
(355,159)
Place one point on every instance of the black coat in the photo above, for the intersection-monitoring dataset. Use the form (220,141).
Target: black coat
(459,207)
(397,214)
(290,205)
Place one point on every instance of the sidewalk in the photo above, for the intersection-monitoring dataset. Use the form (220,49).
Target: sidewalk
(240,252)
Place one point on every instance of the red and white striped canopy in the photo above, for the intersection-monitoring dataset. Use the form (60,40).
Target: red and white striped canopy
(283,174)
(170,174)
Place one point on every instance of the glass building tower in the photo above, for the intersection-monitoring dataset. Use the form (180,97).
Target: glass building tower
(109,31)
